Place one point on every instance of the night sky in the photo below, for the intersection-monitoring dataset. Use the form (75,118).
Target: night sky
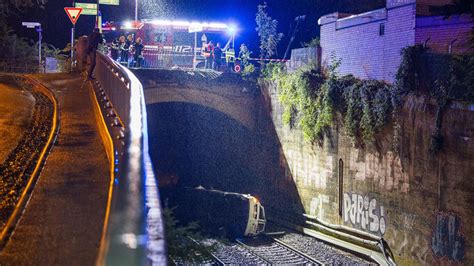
(241,12)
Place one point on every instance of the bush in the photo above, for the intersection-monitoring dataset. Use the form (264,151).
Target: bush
(181,239)
(311,97)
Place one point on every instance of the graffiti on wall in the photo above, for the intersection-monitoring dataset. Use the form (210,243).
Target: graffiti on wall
(386,170)
(364,213)
(313,171)
(316,206)
(447,239)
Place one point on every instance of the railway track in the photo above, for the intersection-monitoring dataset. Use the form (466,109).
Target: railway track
(263,249)
(234,253)
(274,251)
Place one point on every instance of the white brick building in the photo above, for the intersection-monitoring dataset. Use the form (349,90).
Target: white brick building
(369,44)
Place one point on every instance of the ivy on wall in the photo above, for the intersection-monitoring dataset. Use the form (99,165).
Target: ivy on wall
(311,97)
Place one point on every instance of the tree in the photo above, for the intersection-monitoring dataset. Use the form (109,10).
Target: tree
(458,7)
(267,31)
(13,46)
(10,7)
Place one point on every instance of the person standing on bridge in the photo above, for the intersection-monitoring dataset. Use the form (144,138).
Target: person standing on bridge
(217,57)
(95,38)
(209,53)
(114,49)
(137,56)
(127,47)
(122,48)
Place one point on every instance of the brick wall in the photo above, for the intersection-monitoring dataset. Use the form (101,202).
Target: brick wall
(368,55)
(364,52)
(441,32)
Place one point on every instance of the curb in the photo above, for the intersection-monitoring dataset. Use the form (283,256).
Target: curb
(109,148)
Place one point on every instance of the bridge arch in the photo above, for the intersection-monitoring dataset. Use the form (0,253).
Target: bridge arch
(240,107)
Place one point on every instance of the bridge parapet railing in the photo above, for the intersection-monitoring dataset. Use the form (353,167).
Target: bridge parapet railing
(134,233)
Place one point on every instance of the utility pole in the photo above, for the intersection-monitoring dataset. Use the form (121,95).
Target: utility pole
(40,38)
(73,29)
(98,17)
(298,19)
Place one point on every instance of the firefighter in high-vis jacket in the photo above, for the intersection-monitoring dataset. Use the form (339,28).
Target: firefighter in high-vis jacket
(230,58)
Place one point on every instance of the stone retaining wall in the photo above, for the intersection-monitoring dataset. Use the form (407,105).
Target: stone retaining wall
(420,203)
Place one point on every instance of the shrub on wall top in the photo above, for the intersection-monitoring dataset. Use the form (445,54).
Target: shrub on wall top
(310,96)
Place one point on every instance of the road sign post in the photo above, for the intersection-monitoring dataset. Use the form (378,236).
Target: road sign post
(73,13)
(33,25)
(73,29)
(40,38)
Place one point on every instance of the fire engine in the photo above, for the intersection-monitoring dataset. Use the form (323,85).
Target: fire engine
(169,44)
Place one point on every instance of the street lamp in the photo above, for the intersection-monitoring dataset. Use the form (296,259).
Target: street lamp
(136,10)
(37,26)
(232,29)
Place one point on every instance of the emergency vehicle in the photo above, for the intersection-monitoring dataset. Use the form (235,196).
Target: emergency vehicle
(169,44)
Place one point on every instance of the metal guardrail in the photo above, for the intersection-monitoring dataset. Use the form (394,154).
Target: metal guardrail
(135,234)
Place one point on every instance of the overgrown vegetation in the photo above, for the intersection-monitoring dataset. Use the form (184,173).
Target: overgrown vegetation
(244,55)
(313,43)
(444,78)
(182,241)
(17,51)
(9,7)
(13,46)
(313,99)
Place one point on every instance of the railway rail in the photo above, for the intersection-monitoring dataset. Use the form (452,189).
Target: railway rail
(287,248)
(263,249)
(274,251)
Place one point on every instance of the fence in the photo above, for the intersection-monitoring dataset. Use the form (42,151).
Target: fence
(304,56)
(135,228)
(158,57)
